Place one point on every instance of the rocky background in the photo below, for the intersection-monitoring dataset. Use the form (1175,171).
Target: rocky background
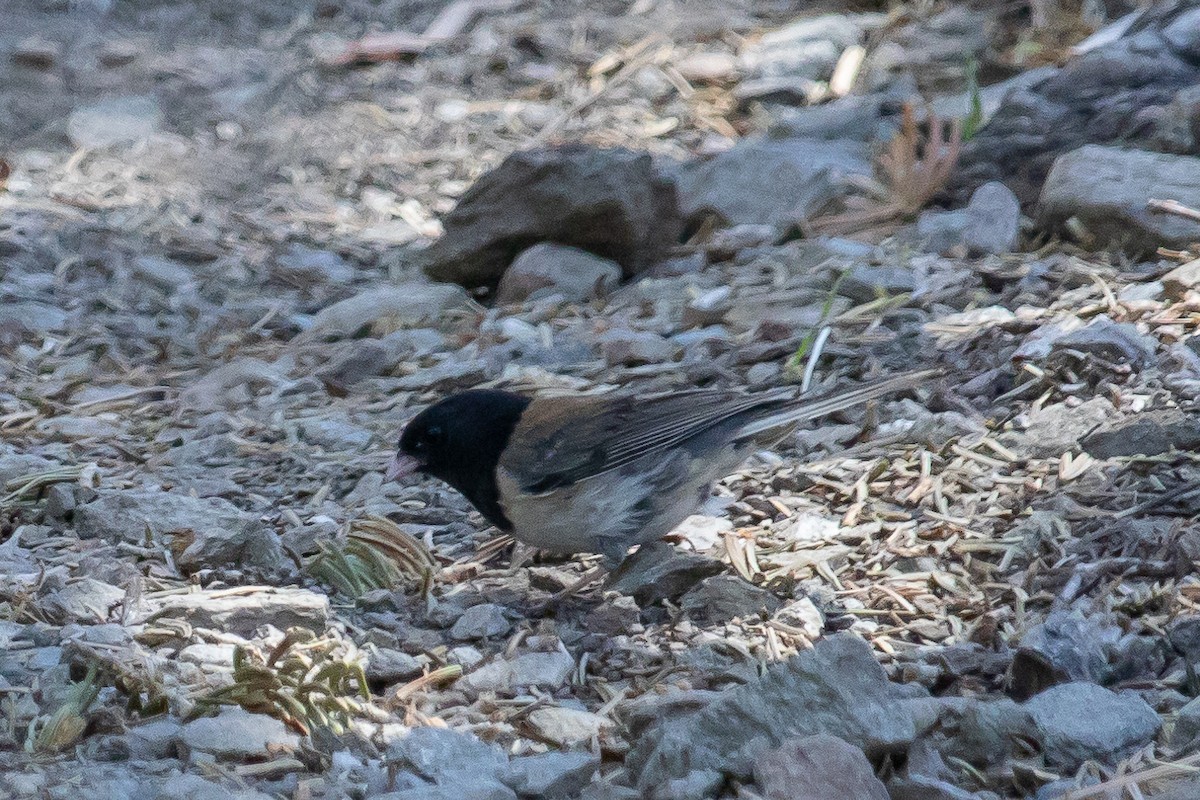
(241,243)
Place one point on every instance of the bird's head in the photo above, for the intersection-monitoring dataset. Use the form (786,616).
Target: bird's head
(458,436)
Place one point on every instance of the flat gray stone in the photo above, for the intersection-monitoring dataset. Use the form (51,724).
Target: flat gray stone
(484,621)
(837,688)
(549,268)
(237,734)
(1082,721)
(1106,188)
(201,532)
(243,612)
(770,181)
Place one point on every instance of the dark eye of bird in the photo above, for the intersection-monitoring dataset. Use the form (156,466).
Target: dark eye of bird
(434,434)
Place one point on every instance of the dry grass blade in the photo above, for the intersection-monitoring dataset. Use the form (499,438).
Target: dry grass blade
(27,486)
(1173,207)
(912,170)
(435,677)
(304,681)
(66,725)
(377,554)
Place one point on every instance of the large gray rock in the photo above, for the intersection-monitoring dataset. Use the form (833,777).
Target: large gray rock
(437,763)
(557,269)
(237,734)
(1134,90)
(609,202)
(1149,433)
(1082,721)
(770,181)
(201,532)
(837,688)
(1106,188)
(552,776)
(820,767)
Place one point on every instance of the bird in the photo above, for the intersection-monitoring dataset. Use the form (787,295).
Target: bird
(603,473)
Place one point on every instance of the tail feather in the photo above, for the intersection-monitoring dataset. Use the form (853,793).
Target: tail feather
(803,409)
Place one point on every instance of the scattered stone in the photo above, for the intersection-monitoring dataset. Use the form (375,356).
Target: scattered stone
(708,67)
(553,776)
(989,732)
(702,532)
(608,202)
(837,688)
(808,527)
(709,308)
(658,571)
(1149,433)
(768,181)
(83,600)
(73,428)
(386,308)
(547,268)
(864,283)
(1182,279)
(819,767)
(622,347)
(237,734)
(35,317)
(387,666)
(201,533)
(300,263)
(158,738)
(163,272)
(1065,646)
(243,611)
(804,615)
(452,761)
(920,787)
(995,220)
(1187,725)
(1116,342)
(544,670)
(1082,721)
(568,726)
(117,52)
(727,597)
(1114,93)
(205,653)
(121,120)
(1053,430)
(1107,188)
(194,787)
(484,621)
(809,48)
(991,223)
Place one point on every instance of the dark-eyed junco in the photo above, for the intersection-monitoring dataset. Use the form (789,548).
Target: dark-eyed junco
(600,474)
